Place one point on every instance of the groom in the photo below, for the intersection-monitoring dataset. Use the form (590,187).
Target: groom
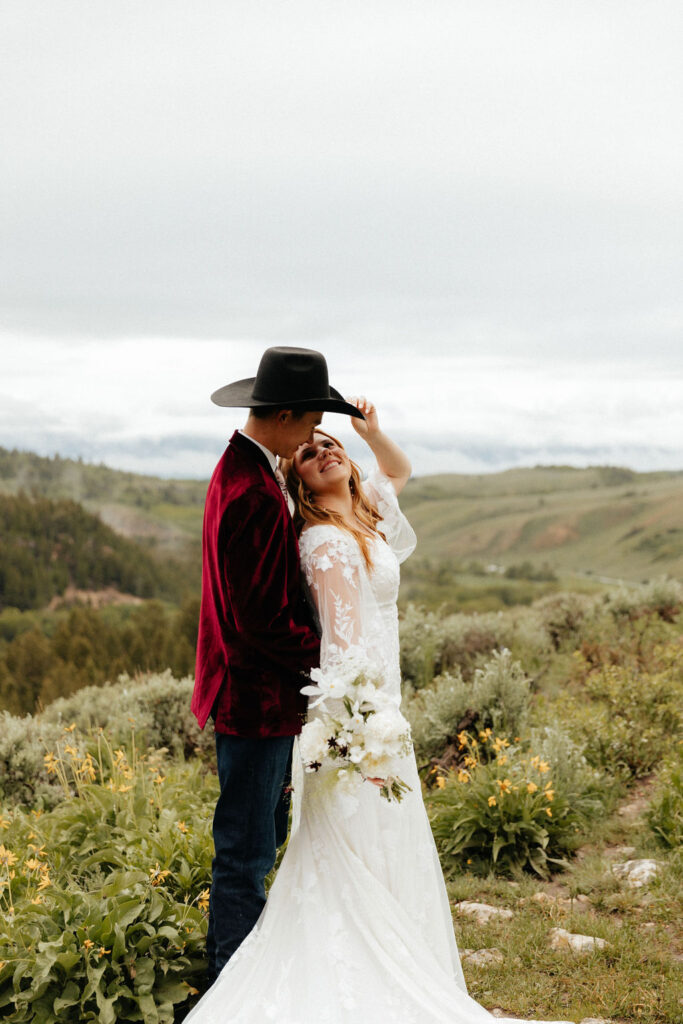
(256,638)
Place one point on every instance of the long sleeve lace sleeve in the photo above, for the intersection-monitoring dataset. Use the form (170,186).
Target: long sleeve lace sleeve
(396,528)
(338,580)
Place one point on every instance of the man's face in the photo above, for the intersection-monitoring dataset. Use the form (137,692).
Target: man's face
(293,432)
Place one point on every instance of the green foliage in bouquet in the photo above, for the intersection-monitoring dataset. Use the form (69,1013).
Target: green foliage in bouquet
(83,935)
(508,810)
(665,814)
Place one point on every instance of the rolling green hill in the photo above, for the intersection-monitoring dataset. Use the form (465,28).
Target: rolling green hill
(602,521)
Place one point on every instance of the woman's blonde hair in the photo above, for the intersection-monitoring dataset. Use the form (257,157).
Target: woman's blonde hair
(307,511)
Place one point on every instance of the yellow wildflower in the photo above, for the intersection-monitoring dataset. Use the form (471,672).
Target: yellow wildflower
(4,823)
(470,762)
(535,761)
(102,951)
(182,827)
(124,789)
(88,944)
(531,787)
(505,785)
(37,900)
(441,782)
(190,989)
(203,900)
(548,812)
(88,768)
(159,779)
(463,776)
(70,728)
(502,759)
(6,856)
(50,762)
(543,767)
(157,875)
(71,751)
(462,738)
(549,794)
(485,734)
(500,743)
(32,864)
(492,801)
(45,882)
(469,860)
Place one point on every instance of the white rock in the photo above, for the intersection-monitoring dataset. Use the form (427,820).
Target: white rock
(624,851)
(636,873)
(543,897)
(483,913)
(483,957)
(564,940)
(558,901)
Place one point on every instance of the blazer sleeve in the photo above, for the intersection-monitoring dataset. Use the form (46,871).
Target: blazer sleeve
(261,566)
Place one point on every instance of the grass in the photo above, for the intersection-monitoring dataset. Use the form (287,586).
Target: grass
(637,978)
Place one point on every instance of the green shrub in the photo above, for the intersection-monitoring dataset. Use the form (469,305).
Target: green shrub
(564,616)
(665,814)
(497,697)
(155,707)
(82,935)
(121,953)
(421,641)
(626,718)
(507,810)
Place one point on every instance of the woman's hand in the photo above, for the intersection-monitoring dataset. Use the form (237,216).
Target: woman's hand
(368,427)
(394,463)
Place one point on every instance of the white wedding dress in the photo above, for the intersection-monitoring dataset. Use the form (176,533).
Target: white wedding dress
(357,928)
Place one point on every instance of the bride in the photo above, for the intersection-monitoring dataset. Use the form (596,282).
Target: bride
(357,927)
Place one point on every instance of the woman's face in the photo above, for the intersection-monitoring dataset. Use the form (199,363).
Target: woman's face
(322,465)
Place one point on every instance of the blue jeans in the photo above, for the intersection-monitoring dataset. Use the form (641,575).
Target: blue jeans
(249,823)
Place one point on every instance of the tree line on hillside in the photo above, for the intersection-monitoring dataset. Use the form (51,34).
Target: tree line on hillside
(58,477)
(87,647)
(46,546)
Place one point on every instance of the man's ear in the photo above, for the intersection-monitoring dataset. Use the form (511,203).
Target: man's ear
(284,416)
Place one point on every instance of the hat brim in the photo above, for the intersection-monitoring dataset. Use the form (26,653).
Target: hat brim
(238,395)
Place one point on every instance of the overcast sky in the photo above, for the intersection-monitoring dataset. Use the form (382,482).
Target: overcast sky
(474,210)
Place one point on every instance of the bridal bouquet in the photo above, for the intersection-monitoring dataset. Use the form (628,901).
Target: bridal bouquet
(358,730)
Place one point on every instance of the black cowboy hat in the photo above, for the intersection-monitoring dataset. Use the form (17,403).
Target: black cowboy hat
(287,378)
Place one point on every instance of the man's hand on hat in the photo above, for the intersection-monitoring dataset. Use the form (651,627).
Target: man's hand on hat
(370,425)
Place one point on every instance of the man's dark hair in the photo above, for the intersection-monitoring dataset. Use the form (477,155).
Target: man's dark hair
(264,412)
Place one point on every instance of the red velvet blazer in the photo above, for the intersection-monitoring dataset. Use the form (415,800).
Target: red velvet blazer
(256,635)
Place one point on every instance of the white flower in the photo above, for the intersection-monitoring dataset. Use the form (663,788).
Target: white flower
(313,742)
